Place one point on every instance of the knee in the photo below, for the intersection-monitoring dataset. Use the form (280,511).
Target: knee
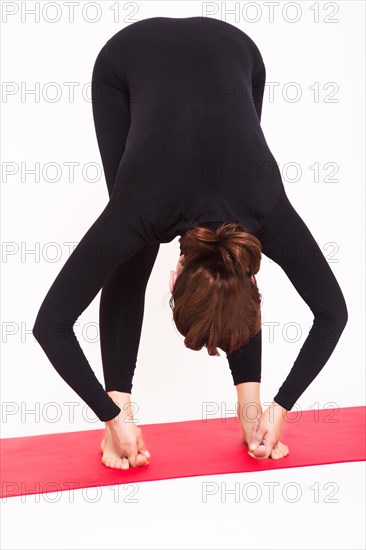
(50,326)
(42,321)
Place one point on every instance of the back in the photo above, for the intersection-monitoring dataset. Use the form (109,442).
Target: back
(194,149)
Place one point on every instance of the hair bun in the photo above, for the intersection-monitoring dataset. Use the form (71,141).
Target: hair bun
(230,242)
(214,302)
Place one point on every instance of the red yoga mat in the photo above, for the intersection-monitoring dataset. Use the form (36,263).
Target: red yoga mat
(60,462)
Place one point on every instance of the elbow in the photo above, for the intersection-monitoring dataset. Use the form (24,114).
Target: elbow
(333,320)
(340,314)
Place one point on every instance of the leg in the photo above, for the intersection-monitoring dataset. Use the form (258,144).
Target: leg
(121,316)
(123,293)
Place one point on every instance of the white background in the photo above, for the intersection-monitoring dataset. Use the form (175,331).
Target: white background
(171,382)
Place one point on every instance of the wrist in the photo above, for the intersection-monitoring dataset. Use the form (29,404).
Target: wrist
(110,423)
(123,401)
(248,401)
(119,395)
(248,390)
(275,404)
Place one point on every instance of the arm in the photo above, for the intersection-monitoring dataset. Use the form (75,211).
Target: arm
(246,362)
(287,240)
(120,231)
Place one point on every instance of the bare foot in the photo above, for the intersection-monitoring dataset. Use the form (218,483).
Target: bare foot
(122,446)
(112,458)
(279,450)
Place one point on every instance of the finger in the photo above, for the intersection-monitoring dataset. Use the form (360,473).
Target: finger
(263,450)
(132,459)
(269,444)
(141,459)
(257,437)
(254,430)
(144,451)
(141,447)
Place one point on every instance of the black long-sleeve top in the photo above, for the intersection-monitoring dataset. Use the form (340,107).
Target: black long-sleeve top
(177,107)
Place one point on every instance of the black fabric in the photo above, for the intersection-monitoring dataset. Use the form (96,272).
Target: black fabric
(287,240)
(177,104)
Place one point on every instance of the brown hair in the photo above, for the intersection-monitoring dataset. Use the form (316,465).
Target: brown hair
(214,302)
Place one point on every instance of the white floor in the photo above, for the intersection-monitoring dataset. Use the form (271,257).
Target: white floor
(294,508)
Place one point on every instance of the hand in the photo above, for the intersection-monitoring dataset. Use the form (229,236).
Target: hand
(266,431)
(123,436)
(128,443)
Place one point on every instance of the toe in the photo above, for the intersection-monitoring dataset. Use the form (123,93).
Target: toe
(119,464)
(282,449)
(279,451)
